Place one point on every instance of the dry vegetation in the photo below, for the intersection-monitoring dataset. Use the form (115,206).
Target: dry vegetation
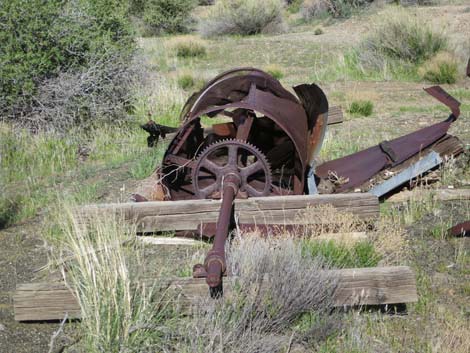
(39,170)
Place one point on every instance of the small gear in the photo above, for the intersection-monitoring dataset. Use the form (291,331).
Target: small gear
(229,156)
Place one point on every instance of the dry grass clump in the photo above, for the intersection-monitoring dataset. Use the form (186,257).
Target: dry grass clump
(243,17)
(347,241)
(401,37)
(276,286)
(442,68)
(118,314)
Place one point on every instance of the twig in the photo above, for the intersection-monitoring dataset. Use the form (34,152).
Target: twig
(57,333)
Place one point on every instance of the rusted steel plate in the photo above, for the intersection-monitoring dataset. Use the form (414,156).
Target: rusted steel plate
(460,230)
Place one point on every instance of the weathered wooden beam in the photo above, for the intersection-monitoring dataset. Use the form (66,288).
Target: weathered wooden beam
(361,286)
(335,115)
(435,194)
(189,215)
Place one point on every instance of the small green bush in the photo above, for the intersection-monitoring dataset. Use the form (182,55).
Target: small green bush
(8,210)
(190,49)
(186,81)
(168,16)
(361,254)
(361,108)
(401,38)
(244,17)
(318,31)
(275,71)
(441,69)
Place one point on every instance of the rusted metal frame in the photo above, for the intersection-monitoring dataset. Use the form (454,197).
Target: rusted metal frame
(183,138)
(359,167)
(299,145)
(181,161)
(460,230)
(270,83)
(445,98)
(244,127)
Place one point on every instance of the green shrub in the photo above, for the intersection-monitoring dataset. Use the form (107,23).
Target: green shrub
(275,71)
(442,68)
(186,81)
(402,38)
(168,16)
(361,108)
(190,49)
(48,47)
(311,9)
(318,31)
(244,17)
(8,210)
(361,254)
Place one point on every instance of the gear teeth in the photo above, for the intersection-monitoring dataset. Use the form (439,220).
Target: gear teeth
(227,141)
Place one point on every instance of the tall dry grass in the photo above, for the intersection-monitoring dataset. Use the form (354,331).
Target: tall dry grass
(120,313)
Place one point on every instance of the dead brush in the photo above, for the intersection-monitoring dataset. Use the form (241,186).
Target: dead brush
(275,286)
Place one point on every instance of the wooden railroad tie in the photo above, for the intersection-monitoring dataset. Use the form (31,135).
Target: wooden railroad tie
(188,215)
(356,287)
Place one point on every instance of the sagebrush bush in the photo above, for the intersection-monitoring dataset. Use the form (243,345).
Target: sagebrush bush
(361,108)
(401,37)
(440,69)
(42,40)
(276,285)
(244,17)
(190,48)
(311,9)
(167,16)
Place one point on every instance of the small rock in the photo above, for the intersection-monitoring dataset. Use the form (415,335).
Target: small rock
(2,328)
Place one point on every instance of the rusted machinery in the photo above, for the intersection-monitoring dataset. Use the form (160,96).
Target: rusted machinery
(263,143)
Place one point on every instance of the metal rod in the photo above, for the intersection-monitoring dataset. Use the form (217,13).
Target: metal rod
(215,260)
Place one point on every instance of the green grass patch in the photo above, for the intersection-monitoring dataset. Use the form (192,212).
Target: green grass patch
(361,254)
(361,108)
(39,169)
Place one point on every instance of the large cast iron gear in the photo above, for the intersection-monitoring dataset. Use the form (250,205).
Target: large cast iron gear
(231,156)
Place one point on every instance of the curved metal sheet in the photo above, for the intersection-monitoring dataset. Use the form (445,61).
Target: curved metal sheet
(232,86)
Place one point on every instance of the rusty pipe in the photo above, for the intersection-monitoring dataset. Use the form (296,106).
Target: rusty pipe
(214,263)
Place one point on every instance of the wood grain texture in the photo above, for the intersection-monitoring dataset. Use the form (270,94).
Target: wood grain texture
(189,215)
(335,115)
(439,195)
(361,286)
